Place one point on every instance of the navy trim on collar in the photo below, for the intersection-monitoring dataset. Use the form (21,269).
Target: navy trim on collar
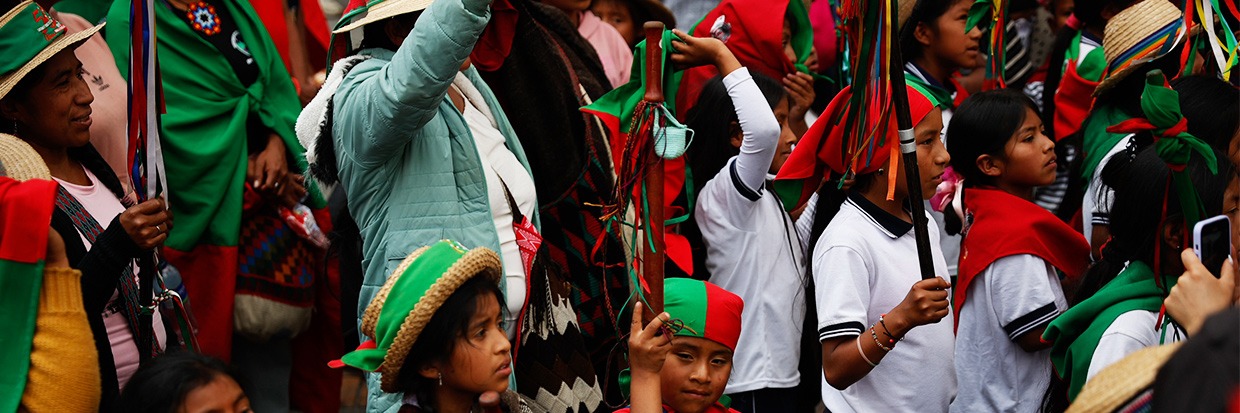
(889,224)
(916,70)
(1086,36)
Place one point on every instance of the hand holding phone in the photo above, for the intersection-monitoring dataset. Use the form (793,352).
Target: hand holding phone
(1212,242)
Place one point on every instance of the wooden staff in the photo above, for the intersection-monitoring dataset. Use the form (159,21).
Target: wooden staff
(652,260)
(908,147)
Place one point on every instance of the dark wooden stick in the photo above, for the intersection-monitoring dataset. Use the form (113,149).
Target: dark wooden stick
(652,260)
(908,147)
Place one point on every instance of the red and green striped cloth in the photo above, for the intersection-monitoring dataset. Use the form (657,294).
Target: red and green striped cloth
(25,217)
(703,310)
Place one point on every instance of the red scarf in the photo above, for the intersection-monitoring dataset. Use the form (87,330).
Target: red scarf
(1000,224)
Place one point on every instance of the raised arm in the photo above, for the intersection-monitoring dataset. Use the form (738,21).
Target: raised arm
(379,109)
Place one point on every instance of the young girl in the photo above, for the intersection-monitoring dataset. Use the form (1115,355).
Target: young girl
(936,45)
(183,381)
(751,247)
(1007,271)
(438,332)
(877,333)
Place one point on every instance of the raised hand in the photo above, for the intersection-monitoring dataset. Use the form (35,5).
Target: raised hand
(689,51)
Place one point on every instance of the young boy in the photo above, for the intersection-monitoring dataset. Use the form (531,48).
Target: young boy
(705,323)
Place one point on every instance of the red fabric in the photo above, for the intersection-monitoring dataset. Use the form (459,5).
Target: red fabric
(210,276)
(1003,225)
(723,316)
(317,35)
(314,387)
(717,408)
(822,147)
(496,40)
(1072,102)
(26,209)
(825,41)
(961,92)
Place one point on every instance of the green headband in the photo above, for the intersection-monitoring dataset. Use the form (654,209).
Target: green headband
(25,31)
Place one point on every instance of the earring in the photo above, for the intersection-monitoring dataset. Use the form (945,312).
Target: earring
(14,127)
(881,171)
(440,378)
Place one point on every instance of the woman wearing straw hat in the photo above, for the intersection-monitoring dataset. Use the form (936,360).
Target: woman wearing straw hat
(44,98)
(421,146)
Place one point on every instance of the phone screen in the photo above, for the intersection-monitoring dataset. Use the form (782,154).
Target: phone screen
(1215,245)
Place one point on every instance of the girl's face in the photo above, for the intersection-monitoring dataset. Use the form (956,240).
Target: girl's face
(221,395)
(695,374)
(949,43)
(786,39)
(1060,10)
(786,137)
(1231,208)
(617,15)
(56,111)
(481,360)
(932,156)
(1030,156)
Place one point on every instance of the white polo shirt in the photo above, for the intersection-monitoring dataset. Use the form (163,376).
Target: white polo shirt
(1013,296)
(864,265)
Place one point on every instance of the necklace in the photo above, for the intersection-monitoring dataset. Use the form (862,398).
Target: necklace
(203,18)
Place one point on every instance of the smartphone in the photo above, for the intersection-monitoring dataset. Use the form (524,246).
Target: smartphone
(1212,242)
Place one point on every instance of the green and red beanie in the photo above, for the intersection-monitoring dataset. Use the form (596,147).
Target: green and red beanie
(826,145)
(706,310)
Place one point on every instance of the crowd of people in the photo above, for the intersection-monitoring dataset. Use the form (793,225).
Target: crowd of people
(442,186)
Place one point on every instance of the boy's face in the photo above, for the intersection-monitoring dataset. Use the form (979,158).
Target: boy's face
(695,374)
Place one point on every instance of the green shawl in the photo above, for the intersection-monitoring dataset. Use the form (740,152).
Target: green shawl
(204,129)
(1096,140)
(1076,332)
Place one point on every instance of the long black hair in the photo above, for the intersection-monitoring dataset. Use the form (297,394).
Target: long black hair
(438,339)
(982,125)
(1210,106)
(713,120)
(1140,184)
(161,384)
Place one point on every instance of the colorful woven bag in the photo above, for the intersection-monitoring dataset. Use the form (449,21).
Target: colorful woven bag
(275,277)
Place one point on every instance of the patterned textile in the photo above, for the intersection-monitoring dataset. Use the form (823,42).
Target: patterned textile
(556,372)
(273,262)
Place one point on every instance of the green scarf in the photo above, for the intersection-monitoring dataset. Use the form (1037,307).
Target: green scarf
(204,134)
(1096,140)
(1076,332)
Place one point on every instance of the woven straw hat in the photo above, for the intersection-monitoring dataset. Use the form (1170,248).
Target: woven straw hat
(380,10)
(19,161)
(1119,382)
(409,298)
(1138,35)
(28,20)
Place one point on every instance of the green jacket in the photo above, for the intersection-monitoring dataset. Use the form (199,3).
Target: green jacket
(407,160)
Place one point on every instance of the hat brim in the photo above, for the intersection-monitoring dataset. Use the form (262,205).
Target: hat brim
(7,82)
(19,161)
(1113,79)
(1119,382)
(385,10)
(476,262)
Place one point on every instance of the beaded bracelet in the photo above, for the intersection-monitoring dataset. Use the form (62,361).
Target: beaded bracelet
(886,330)
(876,341)
(863,356)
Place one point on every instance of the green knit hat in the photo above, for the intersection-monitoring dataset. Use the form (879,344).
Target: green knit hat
(410,297)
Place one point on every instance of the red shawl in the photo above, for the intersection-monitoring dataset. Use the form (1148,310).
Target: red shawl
(1000,224)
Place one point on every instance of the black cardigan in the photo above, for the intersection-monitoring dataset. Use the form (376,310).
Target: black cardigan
(101,267)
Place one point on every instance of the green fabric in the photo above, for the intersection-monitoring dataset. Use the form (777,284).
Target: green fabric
(802,36)
(1097,141)
(204,132)
(684,299)
(1161,105)
(937,95)
(1091,67)
(20,283)
(93,11)
(25,35)
(622,101)
(977,12)
(1076,332)
(408,290)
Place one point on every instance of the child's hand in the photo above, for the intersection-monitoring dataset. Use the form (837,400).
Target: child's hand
(648,347)
(925,303)
(800,87)
(692,51)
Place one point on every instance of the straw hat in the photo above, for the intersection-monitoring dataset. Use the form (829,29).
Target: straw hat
(1138,35)
(657,12)
(379,10)
(19,161)
(1119,382)
(30,37)
(410,297)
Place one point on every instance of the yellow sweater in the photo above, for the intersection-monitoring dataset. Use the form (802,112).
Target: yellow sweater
(64,367)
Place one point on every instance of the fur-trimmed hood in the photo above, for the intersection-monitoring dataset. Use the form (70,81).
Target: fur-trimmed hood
(314,125)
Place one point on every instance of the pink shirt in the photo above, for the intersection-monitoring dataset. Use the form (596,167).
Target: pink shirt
(108,112)
(102,205)
(612,50)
